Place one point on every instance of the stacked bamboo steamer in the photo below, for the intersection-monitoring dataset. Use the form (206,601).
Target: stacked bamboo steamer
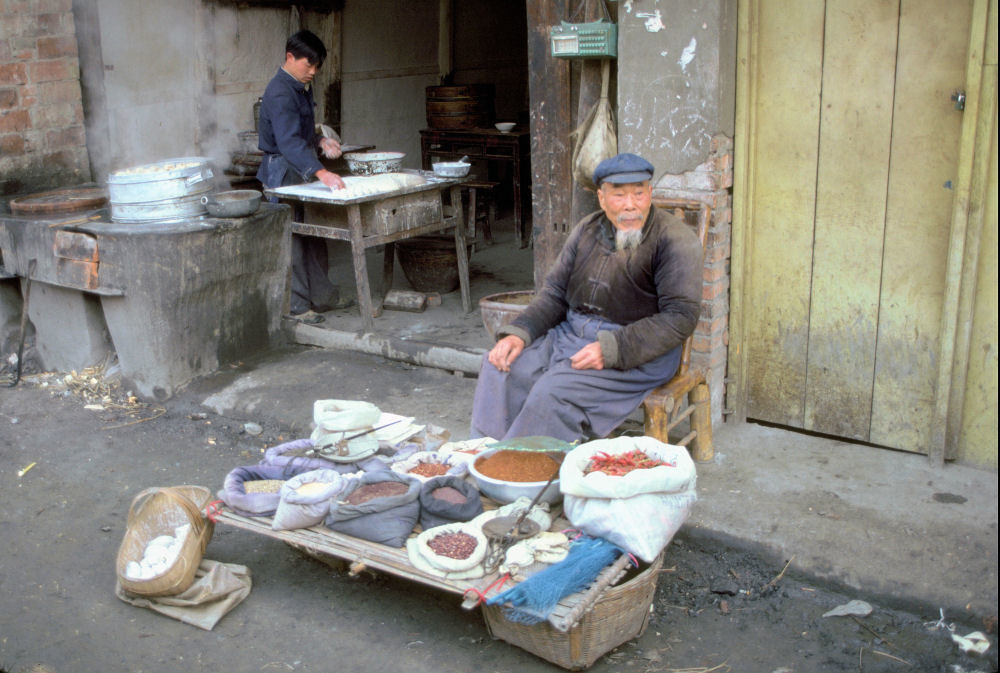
(467,106)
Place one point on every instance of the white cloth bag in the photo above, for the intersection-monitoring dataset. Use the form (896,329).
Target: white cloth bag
(342,420)
(640,511)
(596,138)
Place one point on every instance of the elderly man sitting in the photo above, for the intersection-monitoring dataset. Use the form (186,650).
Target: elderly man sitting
(608,325)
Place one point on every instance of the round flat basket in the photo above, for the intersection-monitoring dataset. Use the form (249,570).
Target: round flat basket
(60,201)
(155,512)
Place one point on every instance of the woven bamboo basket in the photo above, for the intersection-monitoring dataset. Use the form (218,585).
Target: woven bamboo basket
(620,615)
(158,511)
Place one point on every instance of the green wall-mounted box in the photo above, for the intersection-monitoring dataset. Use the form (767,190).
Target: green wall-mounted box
(598,39)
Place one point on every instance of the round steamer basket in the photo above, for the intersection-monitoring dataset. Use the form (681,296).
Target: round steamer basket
(162,212)
(466,106)
(162,191)
(155,512)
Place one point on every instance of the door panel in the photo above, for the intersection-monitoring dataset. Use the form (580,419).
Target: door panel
(855,145)
(855,128)
(791,39)
(925,143)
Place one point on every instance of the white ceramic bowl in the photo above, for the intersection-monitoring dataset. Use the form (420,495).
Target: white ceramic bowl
(505,127)
(506,492)
(451,169)
(374,163)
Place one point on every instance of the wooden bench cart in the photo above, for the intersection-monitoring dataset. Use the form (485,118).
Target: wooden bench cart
(583,627)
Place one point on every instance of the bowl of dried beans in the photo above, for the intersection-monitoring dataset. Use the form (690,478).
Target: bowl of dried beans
(425,465)
(505,475)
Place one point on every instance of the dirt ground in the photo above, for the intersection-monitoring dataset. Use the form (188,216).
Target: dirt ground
(74,452)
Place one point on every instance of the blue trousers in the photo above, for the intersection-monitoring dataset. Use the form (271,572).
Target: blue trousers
(543,395)
(311,286)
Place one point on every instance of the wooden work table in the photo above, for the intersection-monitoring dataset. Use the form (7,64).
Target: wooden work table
(415,208)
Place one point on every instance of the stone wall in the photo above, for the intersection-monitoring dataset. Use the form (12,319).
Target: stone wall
(42,138)
(711,183)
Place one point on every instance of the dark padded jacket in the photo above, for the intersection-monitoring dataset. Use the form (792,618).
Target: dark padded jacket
(654,292)
(287,126)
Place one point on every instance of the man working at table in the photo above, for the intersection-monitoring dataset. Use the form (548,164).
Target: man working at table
(287,136)
(608,324)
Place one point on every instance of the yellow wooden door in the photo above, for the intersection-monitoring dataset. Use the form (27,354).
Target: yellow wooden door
(855,148)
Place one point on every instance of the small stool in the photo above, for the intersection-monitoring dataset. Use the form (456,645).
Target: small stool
(482,206)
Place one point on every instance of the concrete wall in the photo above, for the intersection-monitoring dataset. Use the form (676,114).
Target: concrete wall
(676,107)
(491,46)
(676,79)
(42,142)
(390,55)
(179,77)
(247,49)
(175,78)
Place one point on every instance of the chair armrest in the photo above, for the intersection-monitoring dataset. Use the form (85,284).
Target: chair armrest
(674,389)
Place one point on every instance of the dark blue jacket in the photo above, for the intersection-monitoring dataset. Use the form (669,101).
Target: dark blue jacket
(287,127)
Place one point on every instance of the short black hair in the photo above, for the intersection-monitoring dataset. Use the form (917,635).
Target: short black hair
(306,44)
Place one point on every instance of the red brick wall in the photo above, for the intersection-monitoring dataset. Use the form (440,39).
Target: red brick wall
(42,138)
(710,183)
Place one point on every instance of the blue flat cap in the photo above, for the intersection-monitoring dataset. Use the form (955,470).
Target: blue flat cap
(622,169)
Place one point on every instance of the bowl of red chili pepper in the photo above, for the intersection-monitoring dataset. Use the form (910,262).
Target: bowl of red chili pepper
(620,464)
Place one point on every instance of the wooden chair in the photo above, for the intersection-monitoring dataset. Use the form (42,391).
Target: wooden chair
(482,206)
(686,395)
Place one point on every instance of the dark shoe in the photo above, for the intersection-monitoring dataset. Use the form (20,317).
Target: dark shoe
(333,306)
(307,318)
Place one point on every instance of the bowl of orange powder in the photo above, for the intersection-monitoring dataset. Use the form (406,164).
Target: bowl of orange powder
(505,475)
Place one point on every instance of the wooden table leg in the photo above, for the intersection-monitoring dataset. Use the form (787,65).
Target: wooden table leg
(360,268)
(472,216)
(519,233)
(388,267)
(460,250)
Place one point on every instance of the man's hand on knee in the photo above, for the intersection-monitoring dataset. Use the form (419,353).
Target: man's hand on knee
(588,357)
(505,352)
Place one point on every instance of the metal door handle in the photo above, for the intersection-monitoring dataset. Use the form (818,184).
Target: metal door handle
(959,98)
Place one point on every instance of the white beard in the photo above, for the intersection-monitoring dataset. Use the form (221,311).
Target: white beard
(627,239)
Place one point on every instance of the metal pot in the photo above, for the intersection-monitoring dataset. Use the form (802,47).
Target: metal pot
(236,203)
(373,163)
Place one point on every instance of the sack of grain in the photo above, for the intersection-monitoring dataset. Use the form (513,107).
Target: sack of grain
(448,499)
(255,490)
(378,506)
(304,500)
(301,453)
